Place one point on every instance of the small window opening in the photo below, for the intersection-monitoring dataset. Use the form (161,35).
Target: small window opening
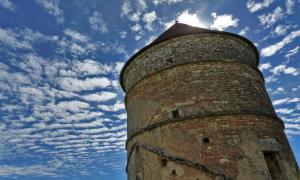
(273,165)
(170,60)
(205,140)
(137,148)
(164,162)
(138,177)
(173,172)
(175,113)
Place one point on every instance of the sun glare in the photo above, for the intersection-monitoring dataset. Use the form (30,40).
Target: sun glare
(191,19)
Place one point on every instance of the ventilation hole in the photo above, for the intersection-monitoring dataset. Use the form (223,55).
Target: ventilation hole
(173,172)
(137,148)
(170,60)
(164,162)
(205,140)
(138,177)
(175,113)
(239,157)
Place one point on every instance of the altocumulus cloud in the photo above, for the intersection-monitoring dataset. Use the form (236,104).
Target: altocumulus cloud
(272,49)
(73,106)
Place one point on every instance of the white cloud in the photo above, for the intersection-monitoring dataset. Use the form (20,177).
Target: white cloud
(285,101)
(293,126)
(244,31)
(33,170)
(7,4)
(253,6)
(159,2)
(119,66)
(52,8)
(103,96)
(136,28)
(73,106)
(272,49)
(291,132)
(149,40)
(76,35)
(135,17)
(123,34)
(126,8)
(292,52)
(137,37)
(148,19)
(268,20)
(186,17)
(10,38)
(121,116)
(76,85)
(270,79)
(265,66)
(14,79)
(113,108)
(291,70)
(282,68)
(278,69)
(281,30)
(133,12)
(289,6)
(221,22)
(296,88)
(80,49)
(141,5)
(280,101)
(97,23)
(91,67)
(284,110)
(279,90)
(191,19)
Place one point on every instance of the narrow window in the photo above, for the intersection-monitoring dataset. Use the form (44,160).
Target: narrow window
(175,113)
(205,140)
(170,61)
(273,165)
(138,177)
(174,172)
(164,162)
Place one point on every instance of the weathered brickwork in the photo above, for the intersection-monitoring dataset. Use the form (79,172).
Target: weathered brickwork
(235,148)
(198,110)
(189,48)
(197,89)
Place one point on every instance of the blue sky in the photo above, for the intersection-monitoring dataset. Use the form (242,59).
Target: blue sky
(61,106)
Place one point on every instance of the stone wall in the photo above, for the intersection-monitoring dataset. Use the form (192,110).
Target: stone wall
(235,150)
(198,109)
(197,90)
(190,48)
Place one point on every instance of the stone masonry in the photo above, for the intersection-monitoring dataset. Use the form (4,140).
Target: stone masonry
(198,109)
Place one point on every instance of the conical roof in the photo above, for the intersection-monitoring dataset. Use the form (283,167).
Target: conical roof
(178,29)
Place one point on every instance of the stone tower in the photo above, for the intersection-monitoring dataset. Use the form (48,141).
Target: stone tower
(198,109)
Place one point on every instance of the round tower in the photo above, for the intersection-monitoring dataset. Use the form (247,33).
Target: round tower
(198,109)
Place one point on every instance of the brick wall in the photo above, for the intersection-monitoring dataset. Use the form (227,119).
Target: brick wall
(188,49)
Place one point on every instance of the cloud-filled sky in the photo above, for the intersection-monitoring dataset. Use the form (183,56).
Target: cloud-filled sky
(61,107)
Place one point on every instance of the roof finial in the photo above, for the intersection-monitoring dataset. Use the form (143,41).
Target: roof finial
(176,21)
